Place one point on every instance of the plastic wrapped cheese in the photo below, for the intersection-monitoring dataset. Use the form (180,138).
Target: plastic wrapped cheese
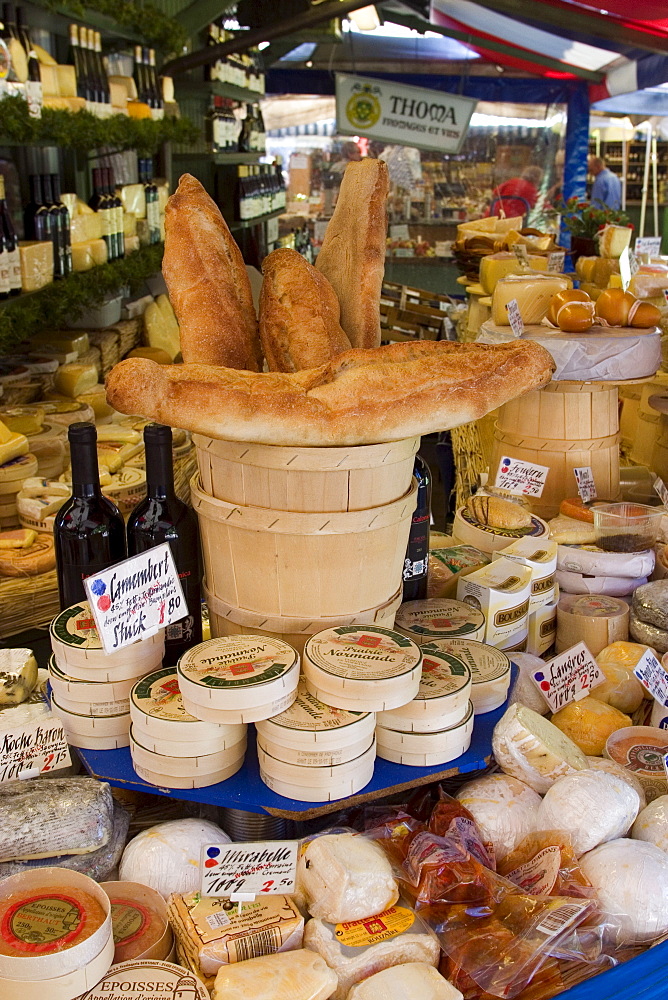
(358,949)
(167,856)
(530,748)
(612,767)
(546,864)
(652,824)
(410,981)
(504,809)
(524,691)
(621,688)
(592,806)
(291,975)
(589,722)
(632,882)
(345,877)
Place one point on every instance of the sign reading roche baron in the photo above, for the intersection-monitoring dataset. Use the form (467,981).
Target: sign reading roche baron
(396,113)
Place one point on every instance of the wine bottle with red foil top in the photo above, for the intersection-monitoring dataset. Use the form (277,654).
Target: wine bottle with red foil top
(89,531)
(162,517)
(416,563)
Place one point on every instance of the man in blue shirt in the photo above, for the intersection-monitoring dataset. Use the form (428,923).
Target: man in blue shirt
(606,191)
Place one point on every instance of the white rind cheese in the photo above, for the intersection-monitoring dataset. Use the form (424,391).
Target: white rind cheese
(631,879)
(18,675)
(345,877)
(410,981)
(504,809)
(524,691)
(608,586)
(593,807)
(592,561)
(612,767)
(530,748)
(652,824)
(287,975)
(167,856)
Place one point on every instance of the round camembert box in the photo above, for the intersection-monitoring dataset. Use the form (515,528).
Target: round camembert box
(425,749)
(148,979)
(324,777)
(442,699)
(89,697)
(311,726)
(312,757)
(490,670)
(79,652)
(238,678)
(82,724)
(362,668)
(185,767)
(157,711)
(439,618)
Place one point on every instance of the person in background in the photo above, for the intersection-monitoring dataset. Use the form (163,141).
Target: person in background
(606,191)
(518,195)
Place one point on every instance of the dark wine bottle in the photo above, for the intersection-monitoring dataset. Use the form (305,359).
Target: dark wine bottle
(140,76)
(55,226)
(36,219)
(10,244)
(100,203)
(416,563)
(64,225)
(89,532)
(76,58)
(33,85)
(162,517)
(116,210)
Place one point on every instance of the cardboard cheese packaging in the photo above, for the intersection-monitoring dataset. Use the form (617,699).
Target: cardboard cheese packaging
(139,921)
(442,699)
(541,558)
(438,618)
(78,650)
(425,749)
(502,592)
(159,716)
(542,629)
(489,666)
(641,749)
(312,727)
(210,932)
(147,979)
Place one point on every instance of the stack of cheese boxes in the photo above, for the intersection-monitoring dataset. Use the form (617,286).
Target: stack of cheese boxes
(90,689)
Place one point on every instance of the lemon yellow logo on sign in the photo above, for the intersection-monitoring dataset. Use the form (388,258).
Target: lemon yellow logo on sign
(363,110)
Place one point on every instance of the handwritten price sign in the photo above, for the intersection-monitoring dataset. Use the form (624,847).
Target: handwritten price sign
(33,749)
(258,869)
(568,677)
(652,676)
(584,477)
(521,478)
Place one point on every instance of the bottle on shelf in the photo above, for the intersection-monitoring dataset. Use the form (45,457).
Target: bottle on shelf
(77,59)
(213,125)
(101,78)
(245,135)
(241,196)
(151,198)
(116,206)
(33,85)
(57,237)
(156,87)
(162,517)
(16,70)
(139,76)
(89,531)
(260,131)
(36,218)
(63,223)
(100,203)
(416,563)
(9,251)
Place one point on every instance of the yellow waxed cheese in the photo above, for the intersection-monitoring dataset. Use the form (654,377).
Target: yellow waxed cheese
(49,77)
(131,244)
(114,432)
(82,256)
(15,445)
(615,281)
(495,266)
(589,723)
(22,420)
(44,58)
(584,268)
(67,81)
(533,294)
(133,197)
(161,329)
(36,264)
(74,379)
(63,341)
(96,398)
(5,433)
(129,224)
(613,240)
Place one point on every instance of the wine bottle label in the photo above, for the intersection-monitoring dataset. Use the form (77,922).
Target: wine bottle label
(4,274)
(14,268)
(106,223)
(181,631)
(417,554)
(33,92)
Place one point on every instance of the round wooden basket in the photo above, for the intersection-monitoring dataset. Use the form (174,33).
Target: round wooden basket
(303,565)
(306,479)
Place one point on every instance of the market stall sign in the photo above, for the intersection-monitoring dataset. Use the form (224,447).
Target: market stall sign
(521,478)
(653,677)
(33,749)
(568,677)
(399,114)
(584,477)
(650,245)
(259,868)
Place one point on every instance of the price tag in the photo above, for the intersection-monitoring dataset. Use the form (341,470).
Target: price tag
(584,477)
(555,261)
(660,490)
(262,868)
(515,317)
(628,265)
(521,478)
(29,750)
(399,232)
(652,676)
(568,677)
(651,245)
(136,598)
(521,253)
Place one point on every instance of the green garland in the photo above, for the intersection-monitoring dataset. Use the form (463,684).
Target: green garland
(53,306)
(160,30)
(84,131)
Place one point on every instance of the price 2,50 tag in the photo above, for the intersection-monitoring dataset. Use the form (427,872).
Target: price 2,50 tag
(568,677)
(257,869)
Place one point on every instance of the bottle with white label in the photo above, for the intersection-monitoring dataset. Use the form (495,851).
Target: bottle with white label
(10,261)
(416,563)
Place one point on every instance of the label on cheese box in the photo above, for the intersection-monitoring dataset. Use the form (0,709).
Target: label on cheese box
(568,677)
(136,598)
(515,317)
(373,930)
(538,876)
(653,677)
(650,245)
(147,979)
(584,477)
(555,262)
(260,868)
(32,749)
(521,478)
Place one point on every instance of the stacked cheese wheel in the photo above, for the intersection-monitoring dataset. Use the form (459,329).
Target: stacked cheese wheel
(438,618)
(489,668)
(13,472)
(170,747)
(586,569)
(314,752)
(90,689)
(437,725)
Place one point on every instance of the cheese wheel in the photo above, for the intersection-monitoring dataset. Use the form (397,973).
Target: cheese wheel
(139,921)
(613,306)
(652,824)
(489,666)
(40,557)
(408,981)
(487,538)
(612,767)
(439,618)
(593,807)
(650,603)
(530,748)
(621,688)
(648,634)
(596,620)
(606,586)
(571,531)
(504,809)
(589,722)
(167,857)
(311,726)
(442,699)
(641,749)
(576,508)
(590,560)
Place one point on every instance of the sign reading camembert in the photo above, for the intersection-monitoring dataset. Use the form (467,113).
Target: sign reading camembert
(407,116)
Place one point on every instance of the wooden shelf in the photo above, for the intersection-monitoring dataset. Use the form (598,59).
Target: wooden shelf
(249,223)
(222,159)
(218,89)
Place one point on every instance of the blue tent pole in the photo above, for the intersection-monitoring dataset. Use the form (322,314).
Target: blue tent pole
(577,149)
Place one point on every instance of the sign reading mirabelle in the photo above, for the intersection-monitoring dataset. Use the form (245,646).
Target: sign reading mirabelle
(396,113)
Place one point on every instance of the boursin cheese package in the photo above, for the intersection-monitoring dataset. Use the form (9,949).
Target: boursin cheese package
(502,592)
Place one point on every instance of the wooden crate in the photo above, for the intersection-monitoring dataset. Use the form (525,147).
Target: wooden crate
(411,313)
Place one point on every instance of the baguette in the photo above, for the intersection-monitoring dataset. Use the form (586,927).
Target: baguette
(360,397)
(352,256)
(299,314)
(208,283)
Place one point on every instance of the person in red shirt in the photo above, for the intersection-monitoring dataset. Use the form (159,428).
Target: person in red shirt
(518,195)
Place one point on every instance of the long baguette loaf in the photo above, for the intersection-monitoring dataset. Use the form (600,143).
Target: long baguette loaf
(360,397)
(352,256)
(208,282)
(299,314)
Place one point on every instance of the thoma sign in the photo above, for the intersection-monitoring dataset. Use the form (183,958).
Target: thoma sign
(405,116)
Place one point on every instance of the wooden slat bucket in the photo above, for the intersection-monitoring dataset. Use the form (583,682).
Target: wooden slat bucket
(303,565)
(227,620)
(306,479)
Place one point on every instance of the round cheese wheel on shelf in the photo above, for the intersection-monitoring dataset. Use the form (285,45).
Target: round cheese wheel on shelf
(641,749)
(439,618)
(311,757)
(157,710)
(489,666)
(631,879)
(311,726)
(530,748)
(652,824)
(607,586)
(321,777)
(440,747)
(594,619)
(442,699)
(504,809)
(167,856)
(648,634)
(305,793)
(612,767)
(467,531)
(592,561)
(589,723)
(593,807)
(185,767)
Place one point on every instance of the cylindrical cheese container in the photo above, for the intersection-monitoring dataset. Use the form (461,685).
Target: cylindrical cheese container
(489,666)
(542,629)
(158,713)
(88,725)
(201,779)
(333,788)
(311,757)
(641,749)
(139,921)
(442,699)
(89,697)
(185,767)
(502,591)
(238,678)
(467,531)
(439,747)
(311,726)
(79,652)
(541,558)
(439,618)
(321,777)
(362,668)
(593,619)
